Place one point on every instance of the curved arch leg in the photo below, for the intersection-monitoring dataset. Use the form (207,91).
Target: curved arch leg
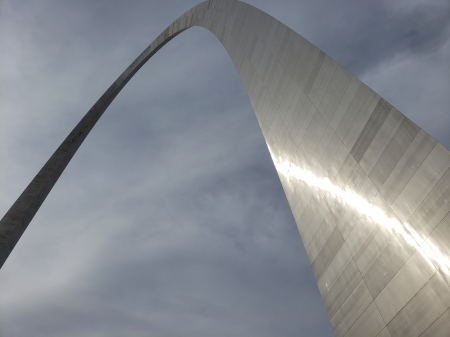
(368,188)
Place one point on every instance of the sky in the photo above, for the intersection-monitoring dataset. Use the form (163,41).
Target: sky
(171,220)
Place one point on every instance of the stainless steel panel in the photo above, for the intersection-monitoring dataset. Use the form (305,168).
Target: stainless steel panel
(261,59)
(348,170)
(423,309)
(319,61)
(319,78)
(310,215)
(258,92)
(288,96)
(321,147)
(267,28)
(351,310)
(297,111)
(270,115)
(249,74)
(291,53)
(349,220)
(414,156)
(321,236)
(375,244)
(283,43)
(228,25)
(281,135)
(277,39)
(337,209)
(354,108)
(297,212)
(330,152)
(336,294)
(317,136)
(326,82)
(305,64)
(361,233)
(328,252)
(264,107)
(384,333)
(369,113)
(291,112)
(405,284)
(428,174)
(334,270)
(345,102)
(433,209)
(393,152)
(303,193)
(237,29)
(388,264)
(310,131)
(268,63)
(369,324)
(331,89)
(237,58)
(381,140)
(250,44)
(439,239)
(273,131)
(338,95)
(242,37)
(440,327)
(367,223)
(350,179)
(356,181)
(290,147)
(255,57)
(281,88)
(354,206)
(302,111)
(336,163)
(314,224)
(274,78)
(305,124)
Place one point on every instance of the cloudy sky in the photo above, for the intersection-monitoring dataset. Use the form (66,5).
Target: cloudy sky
(171,220)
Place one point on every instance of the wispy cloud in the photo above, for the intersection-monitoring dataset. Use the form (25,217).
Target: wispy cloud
(171,220)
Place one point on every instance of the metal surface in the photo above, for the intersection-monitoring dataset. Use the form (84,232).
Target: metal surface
(369,189)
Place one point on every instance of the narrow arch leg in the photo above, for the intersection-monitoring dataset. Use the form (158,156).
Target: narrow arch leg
(367,187)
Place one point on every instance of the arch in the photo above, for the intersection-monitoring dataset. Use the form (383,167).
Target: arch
(367,187)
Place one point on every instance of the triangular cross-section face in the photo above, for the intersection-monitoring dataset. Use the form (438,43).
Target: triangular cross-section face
(368,189)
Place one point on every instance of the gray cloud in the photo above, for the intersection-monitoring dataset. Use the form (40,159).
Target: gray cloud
(399,48)
(171,220)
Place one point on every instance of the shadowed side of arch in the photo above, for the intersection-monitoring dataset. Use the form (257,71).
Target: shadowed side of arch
(367,187)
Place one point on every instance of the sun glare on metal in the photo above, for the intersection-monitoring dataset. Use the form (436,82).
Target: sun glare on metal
(364,207)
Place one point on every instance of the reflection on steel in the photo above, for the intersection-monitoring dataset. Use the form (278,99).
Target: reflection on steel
(352,199)
(369,190)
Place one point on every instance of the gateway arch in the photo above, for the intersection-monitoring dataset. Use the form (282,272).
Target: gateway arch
(369,189)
